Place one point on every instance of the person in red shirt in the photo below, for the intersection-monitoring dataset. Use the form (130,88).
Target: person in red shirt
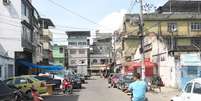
(67,86)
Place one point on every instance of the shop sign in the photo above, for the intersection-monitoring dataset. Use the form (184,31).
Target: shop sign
(192,59)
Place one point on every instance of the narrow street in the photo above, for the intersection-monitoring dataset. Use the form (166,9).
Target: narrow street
(96,90)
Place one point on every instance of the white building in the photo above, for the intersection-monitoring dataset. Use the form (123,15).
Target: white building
(78,51)
(6,65)
(10,26)
(19,32)
(157,52)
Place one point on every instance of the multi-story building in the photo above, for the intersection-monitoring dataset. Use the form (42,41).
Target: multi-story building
(176,24)
(6,65)
(20,33)
(59,55)
(101,53)
(46,39)
(78,51)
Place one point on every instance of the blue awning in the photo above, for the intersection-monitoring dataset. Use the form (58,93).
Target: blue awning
(50,68)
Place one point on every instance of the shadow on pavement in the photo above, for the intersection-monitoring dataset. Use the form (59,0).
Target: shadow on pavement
(62,98)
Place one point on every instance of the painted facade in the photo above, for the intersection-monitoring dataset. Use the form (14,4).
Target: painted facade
(59,55)
(78,51)
(6,65)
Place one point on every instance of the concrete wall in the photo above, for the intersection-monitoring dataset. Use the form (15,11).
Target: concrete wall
(10,26)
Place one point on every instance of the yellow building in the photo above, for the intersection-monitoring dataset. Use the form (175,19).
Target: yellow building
(181,29)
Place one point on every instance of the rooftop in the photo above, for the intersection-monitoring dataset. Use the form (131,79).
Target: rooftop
(78,33)
(181,6)
(45,22)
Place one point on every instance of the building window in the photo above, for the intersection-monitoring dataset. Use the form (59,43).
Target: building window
(25,10)
(172,27)
(73,62)
(72,43)
(82,43)
(82,61)
(81,51)
(195,26)
(94,61)
(10,70)
(61,50)
(73,51)
(192,71)
(1,70)
(61,61)
(102,61)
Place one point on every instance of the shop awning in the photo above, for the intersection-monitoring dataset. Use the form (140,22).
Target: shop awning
(50,68)
(132,66)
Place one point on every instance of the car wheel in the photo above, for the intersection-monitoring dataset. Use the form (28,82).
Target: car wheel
(28,95)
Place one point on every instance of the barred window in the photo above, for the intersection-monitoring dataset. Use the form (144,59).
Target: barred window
(195,26)
(172,27)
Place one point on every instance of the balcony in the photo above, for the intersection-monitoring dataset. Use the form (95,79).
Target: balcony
(47,46)
(47,34)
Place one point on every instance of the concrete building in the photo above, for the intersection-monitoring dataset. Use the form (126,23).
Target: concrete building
(176,27)
(59,55)
(101,53)
(46,39)
(7,68)
(78,51)
(20,36)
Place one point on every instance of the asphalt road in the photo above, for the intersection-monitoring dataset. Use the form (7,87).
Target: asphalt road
(96,90)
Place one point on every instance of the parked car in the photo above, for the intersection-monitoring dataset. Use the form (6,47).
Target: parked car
(7,93)
(26,82)
(81,77)
(191,91)
(76,82)
(46,79)
(124,82)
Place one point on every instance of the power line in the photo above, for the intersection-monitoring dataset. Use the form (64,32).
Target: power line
(72,12)
(76,14)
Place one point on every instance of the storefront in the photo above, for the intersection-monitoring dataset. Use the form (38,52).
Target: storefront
(190,68)
(136,67)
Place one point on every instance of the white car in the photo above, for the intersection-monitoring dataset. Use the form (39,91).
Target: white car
(191,91)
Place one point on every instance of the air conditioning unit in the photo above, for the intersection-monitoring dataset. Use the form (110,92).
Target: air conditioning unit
(6,2)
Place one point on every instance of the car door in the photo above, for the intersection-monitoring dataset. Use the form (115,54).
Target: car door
(196,93)
(21,83)
(186,95)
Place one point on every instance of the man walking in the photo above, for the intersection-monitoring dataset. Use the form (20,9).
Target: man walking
(138,88)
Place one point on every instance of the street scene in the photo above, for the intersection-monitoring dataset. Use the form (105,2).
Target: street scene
(100,50)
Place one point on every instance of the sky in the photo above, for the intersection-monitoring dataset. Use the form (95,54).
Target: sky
(104,15)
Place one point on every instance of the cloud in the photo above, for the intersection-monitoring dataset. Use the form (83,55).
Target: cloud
(111,22)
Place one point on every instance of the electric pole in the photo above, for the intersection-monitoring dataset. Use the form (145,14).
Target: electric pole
(141,26)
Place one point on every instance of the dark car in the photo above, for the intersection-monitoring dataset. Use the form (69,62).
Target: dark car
(124,82)
(76,82)
(82,78)
(6,93)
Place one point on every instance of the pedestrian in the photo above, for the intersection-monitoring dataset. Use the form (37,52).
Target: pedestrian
(138,88)
(159,83)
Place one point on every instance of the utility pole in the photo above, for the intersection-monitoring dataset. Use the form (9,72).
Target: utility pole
(141,26)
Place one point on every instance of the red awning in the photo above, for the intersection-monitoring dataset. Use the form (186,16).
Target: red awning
(148,67)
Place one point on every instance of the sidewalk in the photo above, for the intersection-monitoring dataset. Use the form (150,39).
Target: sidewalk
(165,95)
